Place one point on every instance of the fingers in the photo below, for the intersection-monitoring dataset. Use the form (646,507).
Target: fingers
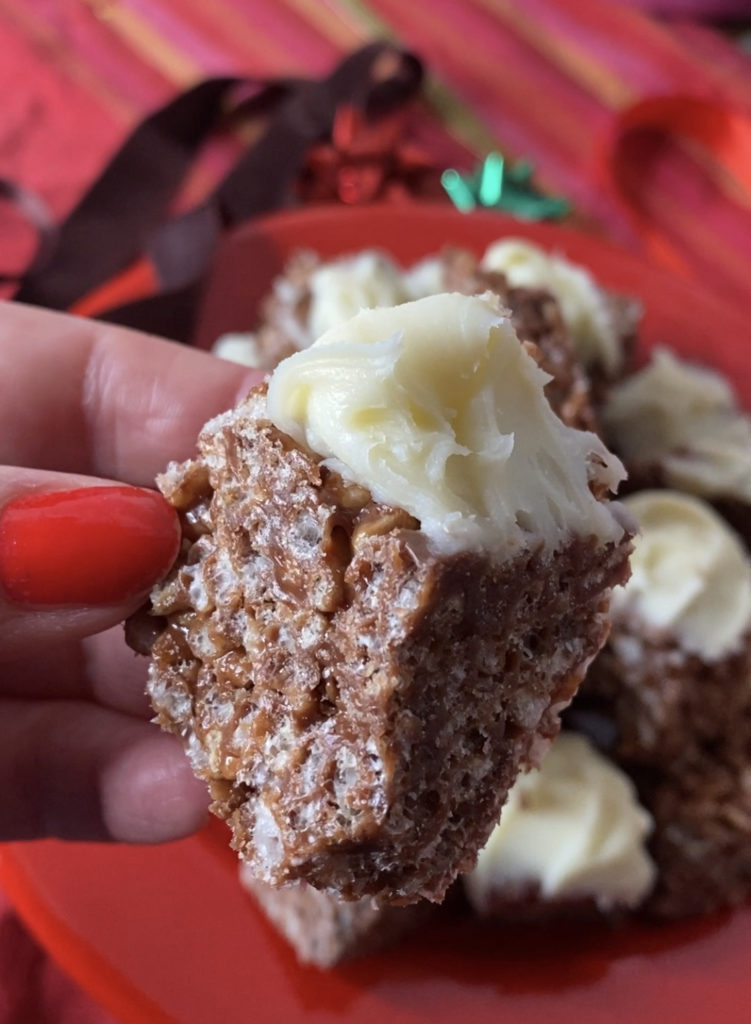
(75,560)
(77,556)
(86,397)
(101,668)
(78,771)
(114,675)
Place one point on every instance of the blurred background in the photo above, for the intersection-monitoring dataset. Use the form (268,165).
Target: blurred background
(631,120)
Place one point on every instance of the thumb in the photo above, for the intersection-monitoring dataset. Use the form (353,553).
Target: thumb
(77,555)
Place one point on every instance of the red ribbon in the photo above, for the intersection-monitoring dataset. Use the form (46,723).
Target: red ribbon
(718,139)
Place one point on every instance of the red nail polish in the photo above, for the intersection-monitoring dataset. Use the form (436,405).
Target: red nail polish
(92,545)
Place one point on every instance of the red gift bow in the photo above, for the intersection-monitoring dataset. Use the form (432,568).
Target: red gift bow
(368,160)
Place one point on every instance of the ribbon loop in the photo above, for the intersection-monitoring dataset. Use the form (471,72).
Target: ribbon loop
(124,214)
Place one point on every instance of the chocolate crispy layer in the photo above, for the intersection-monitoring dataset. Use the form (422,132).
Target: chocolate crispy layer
(681,728)
(664,702)
(359,705)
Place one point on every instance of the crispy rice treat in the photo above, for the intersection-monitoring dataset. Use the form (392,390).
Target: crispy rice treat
(602,325)
(678,425)
(325,930)
(702,838)
(571,842)
(555,305)
(536,316)
(670,697)
(311,296)
(396,568)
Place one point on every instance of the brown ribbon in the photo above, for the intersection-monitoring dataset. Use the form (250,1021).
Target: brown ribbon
(34,210)
(123,216)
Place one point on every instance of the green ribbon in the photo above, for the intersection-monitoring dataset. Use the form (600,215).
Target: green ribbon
(498,185)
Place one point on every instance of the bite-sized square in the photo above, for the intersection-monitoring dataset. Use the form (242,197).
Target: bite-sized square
(586,335)
(538,320)
(311,296)
(670,698)
(678,425)
(571,842)
(580,330)
(702,833)
(601,326)
(396,568)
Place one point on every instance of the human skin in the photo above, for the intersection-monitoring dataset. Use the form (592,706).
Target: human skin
(86,404)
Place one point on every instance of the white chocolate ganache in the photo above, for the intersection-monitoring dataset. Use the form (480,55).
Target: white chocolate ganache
(572,829)
(690,574)
(686,419)
(239,347)
(340,288)
(437,408)
(583,305)
(336,290)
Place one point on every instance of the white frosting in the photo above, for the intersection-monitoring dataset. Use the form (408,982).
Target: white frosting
(690,574)
(341,288)
(572,828)
(238,348)
(425,278)
(436,407)
(583,305)
(685,418)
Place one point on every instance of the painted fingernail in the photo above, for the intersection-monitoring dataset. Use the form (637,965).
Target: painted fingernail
(89,546)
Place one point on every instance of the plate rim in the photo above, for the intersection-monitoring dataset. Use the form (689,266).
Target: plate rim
(93,972)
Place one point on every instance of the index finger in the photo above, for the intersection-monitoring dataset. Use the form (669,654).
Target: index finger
(80,396)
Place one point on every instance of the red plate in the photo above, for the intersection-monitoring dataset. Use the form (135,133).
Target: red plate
(165,934)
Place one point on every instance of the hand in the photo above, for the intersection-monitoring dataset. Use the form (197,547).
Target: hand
(85,405)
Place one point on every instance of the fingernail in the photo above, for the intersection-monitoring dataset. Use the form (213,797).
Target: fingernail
(89,546)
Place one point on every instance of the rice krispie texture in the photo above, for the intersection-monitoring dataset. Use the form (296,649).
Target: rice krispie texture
(670,700)
(347,692)
(681,728)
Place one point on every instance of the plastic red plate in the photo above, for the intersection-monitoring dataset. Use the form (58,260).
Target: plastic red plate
(166,935)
